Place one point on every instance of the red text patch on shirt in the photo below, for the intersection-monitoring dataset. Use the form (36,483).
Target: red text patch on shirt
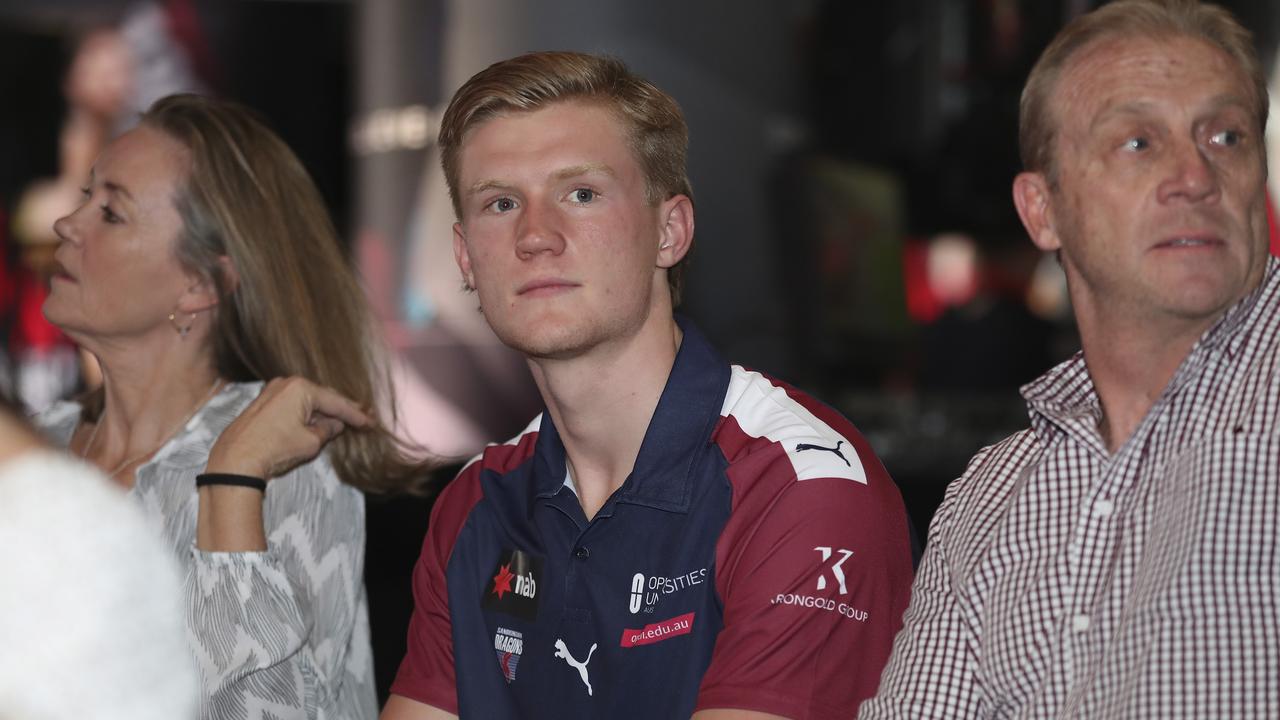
(659,631)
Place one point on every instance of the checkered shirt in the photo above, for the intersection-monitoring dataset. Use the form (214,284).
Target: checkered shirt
(1061,581)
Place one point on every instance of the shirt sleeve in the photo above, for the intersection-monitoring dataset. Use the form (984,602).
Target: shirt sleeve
(427,672)
(270,628)
(814,577)
(931,671)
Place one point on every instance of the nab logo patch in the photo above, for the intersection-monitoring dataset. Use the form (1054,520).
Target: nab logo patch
(509,645)
(513,587)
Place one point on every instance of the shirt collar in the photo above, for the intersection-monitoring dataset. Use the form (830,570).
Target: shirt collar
(1237,323)
(687,412)
(1066,392)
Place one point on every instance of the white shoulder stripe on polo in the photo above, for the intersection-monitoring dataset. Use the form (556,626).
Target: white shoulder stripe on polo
(531,427)
(815,449)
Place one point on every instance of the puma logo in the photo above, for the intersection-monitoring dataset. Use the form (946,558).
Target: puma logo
(801,447)
(563,652)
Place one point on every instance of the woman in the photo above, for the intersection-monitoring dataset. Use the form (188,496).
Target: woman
(201,263)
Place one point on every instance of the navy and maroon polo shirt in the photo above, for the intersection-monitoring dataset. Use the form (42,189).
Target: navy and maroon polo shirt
(757,557)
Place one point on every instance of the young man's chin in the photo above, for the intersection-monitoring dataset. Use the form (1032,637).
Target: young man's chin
(545,339)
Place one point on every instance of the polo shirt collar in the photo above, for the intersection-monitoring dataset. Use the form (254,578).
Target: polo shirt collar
(679,430)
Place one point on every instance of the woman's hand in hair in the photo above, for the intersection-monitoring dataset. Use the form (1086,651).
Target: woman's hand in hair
(288,424)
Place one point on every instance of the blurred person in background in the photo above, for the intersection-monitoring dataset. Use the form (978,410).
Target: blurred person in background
(90,618)
(115,72)
(45,364)
(985,342)
(200,263)
(98,84)
(1118,558)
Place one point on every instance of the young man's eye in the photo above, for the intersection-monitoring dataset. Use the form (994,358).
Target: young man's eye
(502,205)
(583,195)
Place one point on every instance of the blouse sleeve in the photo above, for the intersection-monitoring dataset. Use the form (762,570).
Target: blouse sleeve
(270,628)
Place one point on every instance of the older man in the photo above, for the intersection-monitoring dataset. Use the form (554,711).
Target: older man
(1120,557)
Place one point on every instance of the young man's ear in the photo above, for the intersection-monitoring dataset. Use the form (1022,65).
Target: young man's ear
(1031,197)
(463,257)
(675,230)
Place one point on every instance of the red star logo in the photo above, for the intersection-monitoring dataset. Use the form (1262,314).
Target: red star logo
(502,581)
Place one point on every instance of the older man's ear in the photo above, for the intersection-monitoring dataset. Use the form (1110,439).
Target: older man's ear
(1031,198)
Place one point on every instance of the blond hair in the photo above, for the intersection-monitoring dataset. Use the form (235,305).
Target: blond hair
(294,306)
(1128,19)
(656,128)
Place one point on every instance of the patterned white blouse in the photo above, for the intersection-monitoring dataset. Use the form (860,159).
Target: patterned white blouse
(276,634)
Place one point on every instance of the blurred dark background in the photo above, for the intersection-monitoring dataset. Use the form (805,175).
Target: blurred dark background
(851,162)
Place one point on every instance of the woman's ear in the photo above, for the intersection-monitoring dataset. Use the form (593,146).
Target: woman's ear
(202,290)
(230,275)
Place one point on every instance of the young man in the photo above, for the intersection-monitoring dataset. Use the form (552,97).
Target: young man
(1119,558)
(674,535)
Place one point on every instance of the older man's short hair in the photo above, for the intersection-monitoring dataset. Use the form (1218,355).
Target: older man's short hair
(1153,19)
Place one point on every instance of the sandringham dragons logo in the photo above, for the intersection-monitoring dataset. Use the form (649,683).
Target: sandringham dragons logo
(509,645)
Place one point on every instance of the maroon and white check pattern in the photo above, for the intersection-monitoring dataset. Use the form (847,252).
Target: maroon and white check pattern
(1062,581)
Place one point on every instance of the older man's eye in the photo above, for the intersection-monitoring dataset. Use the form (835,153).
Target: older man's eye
(1136,144)
(1226,138)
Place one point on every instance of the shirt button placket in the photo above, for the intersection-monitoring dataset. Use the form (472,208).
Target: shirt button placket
(577,582)
(1092,531)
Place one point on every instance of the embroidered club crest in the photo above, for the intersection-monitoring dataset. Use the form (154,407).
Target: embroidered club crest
(508,644)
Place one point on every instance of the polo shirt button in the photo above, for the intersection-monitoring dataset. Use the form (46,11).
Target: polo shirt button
(582,553)
(1080,623)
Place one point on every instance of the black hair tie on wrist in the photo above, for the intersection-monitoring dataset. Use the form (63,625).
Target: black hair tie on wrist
(228,479)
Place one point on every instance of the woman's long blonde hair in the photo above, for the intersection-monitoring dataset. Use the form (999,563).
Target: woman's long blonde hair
(295,306)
